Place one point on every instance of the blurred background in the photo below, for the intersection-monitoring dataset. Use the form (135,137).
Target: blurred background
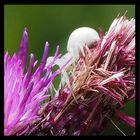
(54,23)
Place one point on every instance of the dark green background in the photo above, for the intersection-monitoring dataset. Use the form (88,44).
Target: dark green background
(54,23)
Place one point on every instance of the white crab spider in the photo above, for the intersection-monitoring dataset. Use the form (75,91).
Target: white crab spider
(78,39)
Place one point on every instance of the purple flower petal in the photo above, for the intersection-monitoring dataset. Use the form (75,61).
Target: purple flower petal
(22,54)
(127,119)
(24,92)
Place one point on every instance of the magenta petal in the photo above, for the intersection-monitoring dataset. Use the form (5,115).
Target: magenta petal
(23,93)
(43,62)
(127,119)
(29,72)
(22,54)
(111,94)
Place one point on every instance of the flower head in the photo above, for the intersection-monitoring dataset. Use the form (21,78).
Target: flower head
(23,91)
(102,82)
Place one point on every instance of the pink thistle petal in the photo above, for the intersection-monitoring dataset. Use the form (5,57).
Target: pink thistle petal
(22,54)
(127,119)
(111,94)
(23,93)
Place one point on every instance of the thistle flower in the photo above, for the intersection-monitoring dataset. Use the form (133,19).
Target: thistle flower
(103,81)
(23,92)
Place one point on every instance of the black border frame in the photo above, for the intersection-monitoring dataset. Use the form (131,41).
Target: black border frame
(40,2)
